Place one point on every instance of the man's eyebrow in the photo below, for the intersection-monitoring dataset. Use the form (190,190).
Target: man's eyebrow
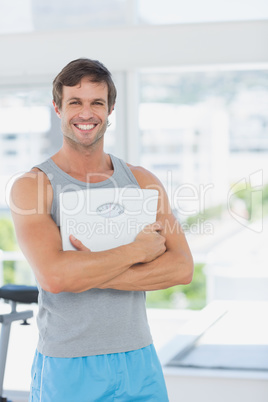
(73,98)
(94,100)
(99,100)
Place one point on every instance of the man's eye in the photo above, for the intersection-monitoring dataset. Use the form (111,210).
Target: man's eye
(74,103)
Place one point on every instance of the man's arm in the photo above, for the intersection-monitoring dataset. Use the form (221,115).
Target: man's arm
(174,267)
(68,271)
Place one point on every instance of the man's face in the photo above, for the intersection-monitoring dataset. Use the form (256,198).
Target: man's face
(84,112)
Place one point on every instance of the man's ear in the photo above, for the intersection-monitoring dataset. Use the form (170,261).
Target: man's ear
(111,109)
(57,110)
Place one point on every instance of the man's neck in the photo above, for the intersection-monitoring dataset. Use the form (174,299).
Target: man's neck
(85,164)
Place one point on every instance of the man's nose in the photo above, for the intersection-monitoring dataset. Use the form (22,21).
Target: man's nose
(86,112)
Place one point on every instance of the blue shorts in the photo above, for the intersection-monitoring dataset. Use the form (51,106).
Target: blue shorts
(131,376)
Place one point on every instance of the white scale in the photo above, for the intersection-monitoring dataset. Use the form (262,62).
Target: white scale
(106,218)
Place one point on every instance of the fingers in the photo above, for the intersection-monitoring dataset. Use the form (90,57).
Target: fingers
(78,244)
(153,227)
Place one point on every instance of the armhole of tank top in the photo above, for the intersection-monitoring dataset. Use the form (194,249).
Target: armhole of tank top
(43,170)
(128,172)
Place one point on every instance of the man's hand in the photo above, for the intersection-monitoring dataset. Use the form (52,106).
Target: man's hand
(149,242)
(78,244)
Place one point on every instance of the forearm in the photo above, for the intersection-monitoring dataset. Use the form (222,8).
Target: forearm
(72,271)
(168,270)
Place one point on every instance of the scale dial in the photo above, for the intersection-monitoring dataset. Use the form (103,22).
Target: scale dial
(110,210)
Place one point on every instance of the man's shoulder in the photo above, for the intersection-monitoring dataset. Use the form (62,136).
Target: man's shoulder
(140,171)
(143,176)
(30,194)
(30,182)
(32,176)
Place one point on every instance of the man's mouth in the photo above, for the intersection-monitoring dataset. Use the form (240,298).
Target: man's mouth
(85,127)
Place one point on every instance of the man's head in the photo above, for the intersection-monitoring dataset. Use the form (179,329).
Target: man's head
(72,74)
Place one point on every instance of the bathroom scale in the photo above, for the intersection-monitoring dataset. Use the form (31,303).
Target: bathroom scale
(103,219)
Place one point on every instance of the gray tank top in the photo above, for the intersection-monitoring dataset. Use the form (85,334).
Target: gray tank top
(95,321)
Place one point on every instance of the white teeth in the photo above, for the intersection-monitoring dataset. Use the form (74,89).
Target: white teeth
(85,126)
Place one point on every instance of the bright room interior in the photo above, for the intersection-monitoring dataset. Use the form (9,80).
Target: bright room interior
(192,107)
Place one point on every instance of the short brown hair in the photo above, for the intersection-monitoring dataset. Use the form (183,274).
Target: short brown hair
(73,73)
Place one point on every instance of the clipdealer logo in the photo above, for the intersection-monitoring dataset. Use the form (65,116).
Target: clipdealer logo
(253,187)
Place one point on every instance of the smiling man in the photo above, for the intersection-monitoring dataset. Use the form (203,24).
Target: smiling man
(94,339)
(84,120)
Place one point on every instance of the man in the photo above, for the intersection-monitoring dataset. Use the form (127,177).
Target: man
(94,340)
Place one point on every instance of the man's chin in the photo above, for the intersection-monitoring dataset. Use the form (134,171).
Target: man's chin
(83,142)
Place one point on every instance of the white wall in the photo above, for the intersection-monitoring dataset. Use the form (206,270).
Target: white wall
(38,57)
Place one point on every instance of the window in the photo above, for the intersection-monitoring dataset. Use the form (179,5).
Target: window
(201,133)
(199,129)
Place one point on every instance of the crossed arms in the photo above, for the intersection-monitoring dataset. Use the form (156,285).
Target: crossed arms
(158,258)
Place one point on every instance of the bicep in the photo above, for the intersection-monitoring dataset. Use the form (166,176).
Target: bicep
(178,254)
(37,234)
(38,237)
(173,232)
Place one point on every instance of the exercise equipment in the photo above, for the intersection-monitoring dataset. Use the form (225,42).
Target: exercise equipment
(13,294)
